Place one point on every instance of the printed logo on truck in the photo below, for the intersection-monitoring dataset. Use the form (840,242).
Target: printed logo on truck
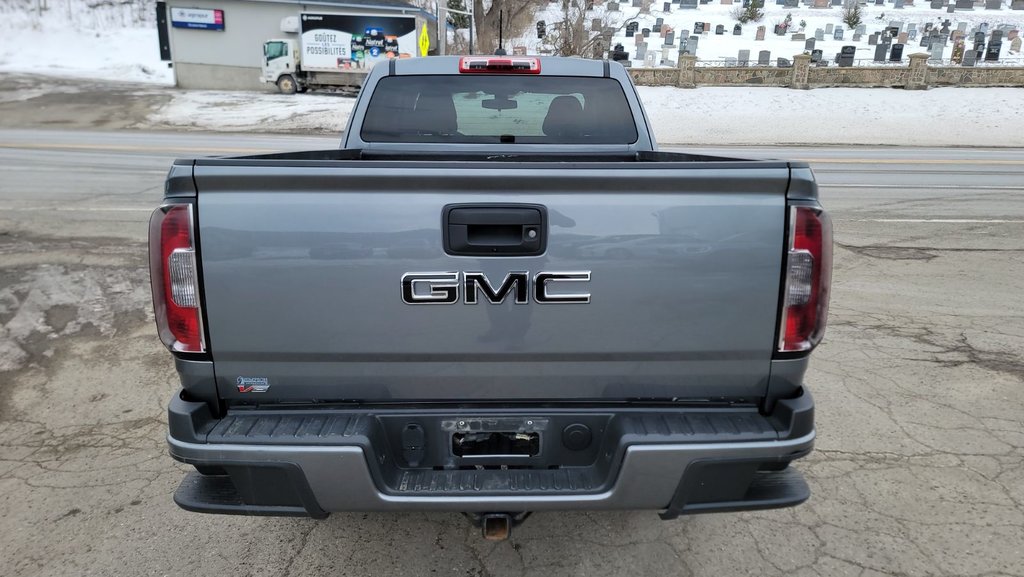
(447,288)
(252,384)
(349,41)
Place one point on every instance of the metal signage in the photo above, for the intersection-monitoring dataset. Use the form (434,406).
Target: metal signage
(198,18)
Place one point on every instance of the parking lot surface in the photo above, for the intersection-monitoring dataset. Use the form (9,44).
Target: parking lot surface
(918,468)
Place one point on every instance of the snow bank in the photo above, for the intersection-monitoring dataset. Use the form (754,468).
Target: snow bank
(84,39)
(702,116)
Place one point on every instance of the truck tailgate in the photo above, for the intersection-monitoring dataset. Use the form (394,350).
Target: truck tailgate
(302,266)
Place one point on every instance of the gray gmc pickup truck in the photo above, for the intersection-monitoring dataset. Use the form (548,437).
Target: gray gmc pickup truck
(496,297)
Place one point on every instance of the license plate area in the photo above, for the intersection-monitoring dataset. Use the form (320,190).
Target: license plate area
(496,444)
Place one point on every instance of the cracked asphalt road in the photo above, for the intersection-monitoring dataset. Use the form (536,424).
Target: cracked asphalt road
(918,470)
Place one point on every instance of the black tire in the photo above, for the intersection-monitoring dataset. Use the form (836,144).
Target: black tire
(286,84)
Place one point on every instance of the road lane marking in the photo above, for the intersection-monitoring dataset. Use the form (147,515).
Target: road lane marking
(76,209)
(936,220)
(131,148)
(190,149)
(908,161)
(888,186)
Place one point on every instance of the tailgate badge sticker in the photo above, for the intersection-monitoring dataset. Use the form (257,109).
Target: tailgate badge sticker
(252,384)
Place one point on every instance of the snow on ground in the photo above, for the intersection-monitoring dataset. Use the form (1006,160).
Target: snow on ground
(254,112)
(82,39)
(836,116)
(702,116)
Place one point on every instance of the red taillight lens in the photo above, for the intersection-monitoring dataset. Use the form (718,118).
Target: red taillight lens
(808,279)
(175,278)
(499,65)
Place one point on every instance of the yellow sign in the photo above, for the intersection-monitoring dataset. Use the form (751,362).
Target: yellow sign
(424,41)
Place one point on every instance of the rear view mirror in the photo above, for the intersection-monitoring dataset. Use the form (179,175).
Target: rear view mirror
(500,104)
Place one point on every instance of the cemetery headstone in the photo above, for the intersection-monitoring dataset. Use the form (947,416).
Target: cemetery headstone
(637,3)
(873,39)
(719,30)
(667,7)
(992,51)
(994,5)
(631,28)
(880,51)
(958,52)
(809,44)
(936,4)
(1015,45)
(819,34)
(964,4)
(783,63)
(798,37)
(689,4)
(838,34)
(691,45)
(902,38)
(828,29)
(698,27)
(760,33)
(961,27)
(997,35)
(744,58)
(897,53)
(670,38)
(641,52)
(951,9)
(1017,5)
(619,53)
(737,30)
(816,56)
(935,52)
(970,58)
(1012,34)
(792,3)
(646,32)
(729,61)
(846,56)
(898,4)
(764,58)
(857,37)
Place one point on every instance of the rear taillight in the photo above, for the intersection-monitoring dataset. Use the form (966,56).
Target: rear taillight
(808,277)
(499,65)
(175,278)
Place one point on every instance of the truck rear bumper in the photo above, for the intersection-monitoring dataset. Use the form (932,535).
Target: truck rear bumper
(675,468)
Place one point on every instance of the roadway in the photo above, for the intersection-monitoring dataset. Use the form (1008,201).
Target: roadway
(918,467)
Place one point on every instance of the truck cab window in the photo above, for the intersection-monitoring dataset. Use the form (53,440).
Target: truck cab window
(274,50)
(491,109)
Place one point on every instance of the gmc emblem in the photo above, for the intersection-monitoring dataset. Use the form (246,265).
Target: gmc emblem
(445,288)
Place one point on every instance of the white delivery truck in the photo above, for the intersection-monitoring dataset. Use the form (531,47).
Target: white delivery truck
(337,50)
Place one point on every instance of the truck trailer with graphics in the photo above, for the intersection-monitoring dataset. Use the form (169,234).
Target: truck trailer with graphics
(336,50)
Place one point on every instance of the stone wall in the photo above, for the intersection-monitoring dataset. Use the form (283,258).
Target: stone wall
(915,75)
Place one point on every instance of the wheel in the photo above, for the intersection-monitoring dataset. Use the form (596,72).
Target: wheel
(286,84)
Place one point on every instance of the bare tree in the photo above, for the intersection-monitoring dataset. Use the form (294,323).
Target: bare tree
(517,16)
(573,36)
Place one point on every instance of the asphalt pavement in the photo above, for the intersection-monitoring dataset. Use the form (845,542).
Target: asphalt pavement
(918,468)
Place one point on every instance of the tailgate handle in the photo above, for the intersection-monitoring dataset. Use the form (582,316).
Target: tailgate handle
(495,230)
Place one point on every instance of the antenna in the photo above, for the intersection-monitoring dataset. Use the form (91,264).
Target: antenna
(501,39)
